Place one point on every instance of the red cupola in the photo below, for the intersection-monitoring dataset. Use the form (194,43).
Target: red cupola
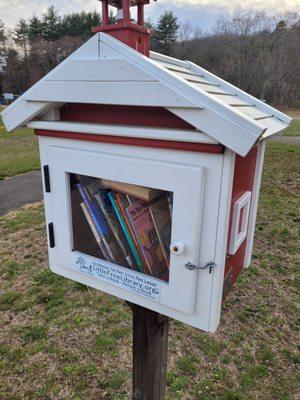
(131,33)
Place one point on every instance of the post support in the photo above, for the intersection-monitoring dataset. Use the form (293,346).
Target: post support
(150,352)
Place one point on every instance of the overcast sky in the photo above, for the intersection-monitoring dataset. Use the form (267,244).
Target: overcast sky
(200,13)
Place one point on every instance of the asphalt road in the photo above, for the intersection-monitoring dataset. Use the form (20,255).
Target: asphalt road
(20,190)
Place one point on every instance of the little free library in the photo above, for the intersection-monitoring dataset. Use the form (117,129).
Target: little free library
(151,169)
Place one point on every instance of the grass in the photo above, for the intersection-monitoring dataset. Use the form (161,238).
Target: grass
(62,340)
(293,129)
(19,152)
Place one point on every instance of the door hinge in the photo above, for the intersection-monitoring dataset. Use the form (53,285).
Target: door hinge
(47,178)
(192,267)
(51,235)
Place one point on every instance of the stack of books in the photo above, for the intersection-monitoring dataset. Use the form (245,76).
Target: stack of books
(131,224)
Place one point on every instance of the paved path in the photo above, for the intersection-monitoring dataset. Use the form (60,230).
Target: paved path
(20,190)
(286,139)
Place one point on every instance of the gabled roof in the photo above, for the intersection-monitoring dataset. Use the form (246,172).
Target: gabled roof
(106,71)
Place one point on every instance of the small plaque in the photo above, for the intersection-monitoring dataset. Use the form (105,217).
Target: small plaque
(127,280)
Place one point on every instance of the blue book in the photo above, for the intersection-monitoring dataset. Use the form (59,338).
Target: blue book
(99,221)
(107,209)
(126,232)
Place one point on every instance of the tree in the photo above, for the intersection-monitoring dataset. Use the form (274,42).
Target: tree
(80,24)
(51,25)
(165,33)
(35,28)
(14,75)
(2,50)
(21,35)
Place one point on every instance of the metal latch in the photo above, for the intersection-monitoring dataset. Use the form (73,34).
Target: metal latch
(51,235)
(47,179)
(192,267)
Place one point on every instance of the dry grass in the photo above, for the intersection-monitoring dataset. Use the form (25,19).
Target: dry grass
(61,340)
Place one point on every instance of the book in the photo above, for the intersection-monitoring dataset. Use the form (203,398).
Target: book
(161,217)
(126,231)
(93,228)
(123,203)
(140,217)
(99,221)
(141,192)
(106,208)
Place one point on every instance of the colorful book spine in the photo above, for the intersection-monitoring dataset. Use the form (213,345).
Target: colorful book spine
(140,217)
(123,203)
(98,220)
(126,231)
(101,197)
(161,218)
(94,230)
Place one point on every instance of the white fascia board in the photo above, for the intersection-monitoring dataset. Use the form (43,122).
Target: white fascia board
(254,203)
(21,111)
(127,131)
(274,127)
(24,111)
(225,131)
(196,95)
(243,95)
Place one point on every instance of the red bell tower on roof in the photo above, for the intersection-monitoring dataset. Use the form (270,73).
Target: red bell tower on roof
(133,34)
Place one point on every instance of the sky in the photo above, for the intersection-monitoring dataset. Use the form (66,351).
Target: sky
(199,13)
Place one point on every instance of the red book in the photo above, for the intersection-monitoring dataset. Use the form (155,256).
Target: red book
(140,217)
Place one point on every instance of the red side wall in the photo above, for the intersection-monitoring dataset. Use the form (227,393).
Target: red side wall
(243,181)
(154,117)
(151,117)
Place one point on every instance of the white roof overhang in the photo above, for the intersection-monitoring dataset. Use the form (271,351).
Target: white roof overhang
(106,71)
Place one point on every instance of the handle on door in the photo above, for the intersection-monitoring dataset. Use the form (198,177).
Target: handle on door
(192,267)
(177,248)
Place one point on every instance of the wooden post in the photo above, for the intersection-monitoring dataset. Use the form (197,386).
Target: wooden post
(150,351)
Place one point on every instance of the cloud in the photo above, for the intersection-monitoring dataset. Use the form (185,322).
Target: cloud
(199,13)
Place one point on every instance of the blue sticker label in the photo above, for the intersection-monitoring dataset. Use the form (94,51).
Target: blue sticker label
(127,280)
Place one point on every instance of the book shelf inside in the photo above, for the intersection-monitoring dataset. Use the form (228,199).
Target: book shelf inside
(124,224)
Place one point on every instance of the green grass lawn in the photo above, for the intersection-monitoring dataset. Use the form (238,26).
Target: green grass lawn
(19,152)
(293,129)
(62,340)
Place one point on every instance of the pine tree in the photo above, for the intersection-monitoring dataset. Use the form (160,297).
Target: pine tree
(52,27)
(2,32)
(21,34)
(165,33)
(80,24)
(35,28)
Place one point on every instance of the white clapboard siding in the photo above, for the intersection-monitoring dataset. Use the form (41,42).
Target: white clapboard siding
(106,70)
(125,93)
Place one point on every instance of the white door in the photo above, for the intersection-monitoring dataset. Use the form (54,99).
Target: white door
(184,181)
